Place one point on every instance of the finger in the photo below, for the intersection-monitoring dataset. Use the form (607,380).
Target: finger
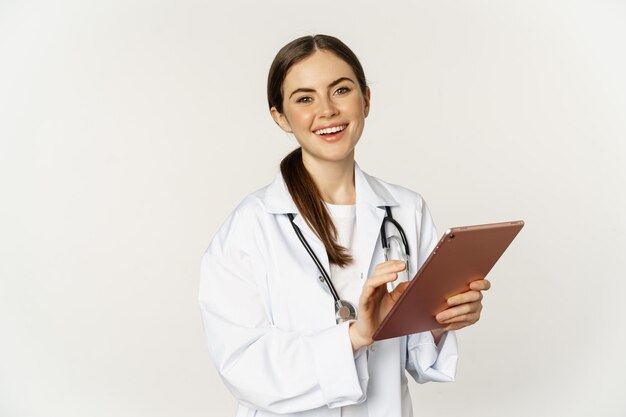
(389,266)
(464,318)
(375,286)
(386,270)
(463,309)
(480,285)
(377,280)
(459,325)
(466,297)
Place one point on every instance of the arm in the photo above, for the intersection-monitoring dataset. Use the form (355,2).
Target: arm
(265,367)
(431,356)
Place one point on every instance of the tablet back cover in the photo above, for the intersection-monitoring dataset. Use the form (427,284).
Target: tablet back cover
(463,255)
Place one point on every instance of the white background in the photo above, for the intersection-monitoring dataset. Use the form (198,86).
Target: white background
(130,129)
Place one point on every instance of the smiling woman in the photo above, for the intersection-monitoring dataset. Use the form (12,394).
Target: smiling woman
(328,99)
(324,102)
(303,258)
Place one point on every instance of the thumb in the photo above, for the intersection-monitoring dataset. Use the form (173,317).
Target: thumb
(397,292)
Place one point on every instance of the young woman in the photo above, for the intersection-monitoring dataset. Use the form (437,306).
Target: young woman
(295,282)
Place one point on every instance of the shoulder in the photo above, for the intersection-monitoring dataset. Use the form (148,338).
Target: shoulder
(242,231)
(255,213)
(250,210)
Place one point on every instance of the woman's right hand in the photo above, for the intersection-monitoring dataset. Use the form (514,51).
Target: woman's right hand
(375,302)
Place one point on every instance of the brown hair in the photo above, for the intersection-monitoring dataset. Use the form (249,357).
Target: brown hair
(300,184)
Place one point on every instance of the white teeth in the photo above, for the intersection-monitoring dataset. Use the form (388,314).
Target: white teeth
(330,130)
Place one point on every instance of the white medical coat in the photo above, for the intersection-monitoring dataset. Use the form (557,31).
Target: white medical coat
(270,321)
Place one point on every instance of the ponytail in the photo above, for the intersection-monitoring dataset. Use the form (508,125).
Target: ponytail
(308,199)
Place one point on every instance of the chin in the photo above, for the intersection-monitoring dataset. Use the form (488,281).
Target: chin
(329,153)
(336,156)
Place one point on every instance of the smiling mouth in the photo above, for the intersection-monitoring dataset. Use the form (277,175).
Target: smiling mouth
(330,130)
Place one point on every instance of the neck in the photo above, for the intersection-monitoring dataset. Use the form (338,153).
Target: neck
(335,180)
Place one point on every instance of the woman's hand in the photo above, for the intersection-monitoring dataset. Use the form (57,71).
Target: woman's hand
(463,309)
(375,302)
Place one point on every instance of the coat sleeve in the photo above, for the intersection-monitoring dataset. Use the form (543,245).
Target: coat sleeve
(425,360)
(265,367)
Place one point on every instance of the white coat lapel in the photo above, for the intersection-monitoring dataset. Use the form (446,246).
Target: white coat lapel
(368,221)
(314,242)
(278,201)
(371,199)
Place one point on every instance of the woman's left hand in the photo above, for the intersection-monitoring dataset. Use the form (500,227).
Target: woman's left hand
(463,309)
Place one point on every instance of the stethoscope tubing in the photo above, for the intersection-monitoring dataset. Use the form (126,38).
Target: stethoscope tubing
(383,241)
(383,234)
(319,265)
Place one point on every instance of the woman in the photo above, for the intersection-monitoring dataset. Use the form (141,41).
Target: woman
(281,341)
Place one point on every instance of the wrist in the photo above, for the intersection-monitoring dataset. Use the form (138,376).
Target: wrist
(356,339)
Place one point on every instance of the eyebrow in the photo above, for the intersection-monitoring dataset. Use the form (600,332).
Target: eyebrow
(310,90)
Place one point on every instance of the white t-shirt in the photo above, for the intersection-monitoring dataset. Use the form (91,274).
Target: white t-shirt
(347,281)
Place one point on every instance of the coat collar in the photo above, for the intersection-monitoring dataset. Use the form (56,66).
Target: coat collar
(369,192)
(371,198)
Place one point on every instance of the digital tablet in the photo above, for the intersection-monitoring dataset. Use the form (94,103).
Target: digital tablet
(463,255)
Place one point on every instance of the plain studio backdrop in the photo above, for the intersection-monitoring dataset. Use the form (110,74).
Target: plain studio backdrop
(130,129)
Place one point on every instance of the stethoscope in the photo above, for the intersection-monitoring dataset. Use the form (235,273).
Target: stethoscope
(345,310)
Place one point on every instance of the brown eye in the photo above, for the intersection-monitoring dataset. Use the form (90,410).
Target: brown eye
(342,90)
(305,99)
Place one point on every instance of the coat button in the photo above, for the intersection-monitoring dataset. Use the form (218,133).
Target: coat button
(321,278)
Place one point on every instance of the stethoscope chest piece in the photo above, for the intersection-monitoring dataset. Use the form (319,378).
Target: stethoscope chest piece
(344,311)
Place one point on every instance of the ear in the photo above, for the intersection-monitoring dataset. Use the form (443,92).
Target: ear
(280,120)
(366,99)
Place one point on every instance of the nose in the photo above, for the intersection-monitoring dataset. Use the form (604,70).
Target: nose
(327,108)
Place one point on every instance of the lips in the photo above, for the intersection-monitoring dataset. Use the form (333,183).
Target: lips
(330,130)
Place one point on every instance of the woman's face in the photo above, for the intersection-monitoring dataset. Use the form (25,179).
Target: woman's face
(323,107)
